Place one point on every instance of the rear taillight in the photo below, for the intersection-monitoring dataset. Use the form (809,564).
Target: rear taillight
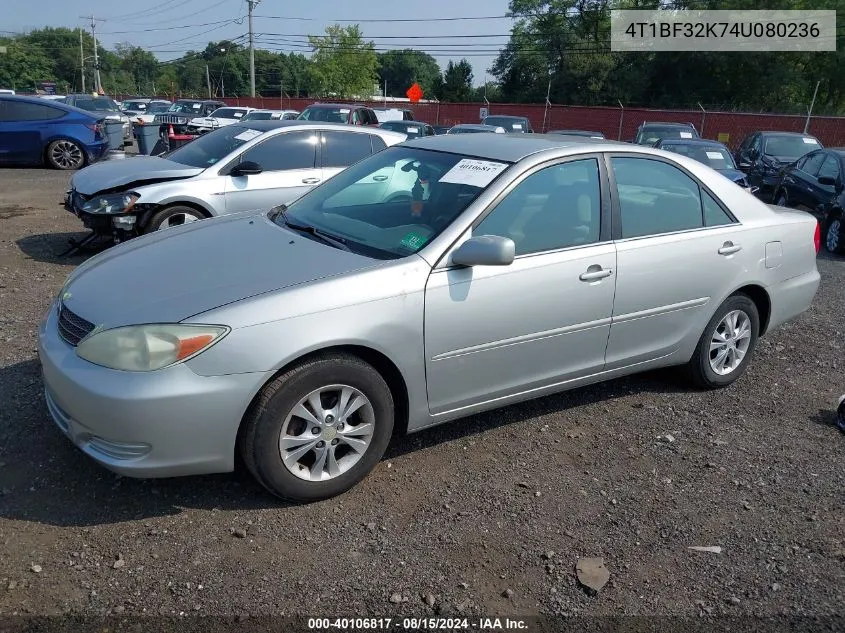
(817,238)
(96,128)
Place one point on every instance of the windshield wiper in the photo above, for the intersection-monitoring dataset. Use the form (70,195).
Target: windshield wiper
(325,236)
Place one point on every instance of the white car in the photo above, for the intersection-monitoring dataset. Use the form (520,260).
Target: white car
(221,117)
(271,115)
(393,114)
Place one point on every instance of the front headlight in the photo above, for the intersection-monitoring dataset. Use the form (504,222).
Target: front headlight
(148,347)
(112,203)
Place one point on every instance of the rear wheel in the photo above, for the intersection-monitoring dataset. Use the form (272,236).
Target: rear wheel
(173,216)
(726,345)
(834,240)
(65,154)
(319,428)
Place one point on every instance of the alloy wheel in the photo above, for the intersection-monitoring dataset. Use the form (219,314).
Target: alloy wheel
(729,342)
(177,219)
(67,155)
(834,230)
(327,433)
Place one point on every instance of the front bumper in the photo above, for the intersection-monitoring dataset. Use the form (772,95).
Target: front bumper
(164,423)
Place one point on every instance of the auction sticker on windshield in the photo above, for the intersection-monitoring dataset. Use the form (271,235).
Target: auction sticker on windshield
(810,141)
(686,135)
(476,173)
(715,155)
(248,135)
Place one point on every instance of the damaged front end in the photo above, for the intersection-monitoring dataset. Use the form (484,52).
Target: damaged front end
(117,215)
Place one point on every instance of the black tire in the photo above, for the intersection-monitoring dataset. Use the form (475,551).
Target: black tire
(65,154)
(169,216)
(699,370)
(259,438)
(780,199)
(834,235)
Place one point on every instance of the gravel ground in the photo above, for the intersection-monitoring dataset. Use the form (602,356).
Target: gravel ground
(485,516)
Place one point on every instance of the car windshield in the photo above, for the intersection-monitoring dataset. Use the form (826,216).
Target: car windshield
(208,149)
(257,115)
(653,133)
(790,147)
(715,156)
(186,106)
(393,203)
(330,115)
(158,107)
(96,104)
(134,105)
(510,124)
(227,113)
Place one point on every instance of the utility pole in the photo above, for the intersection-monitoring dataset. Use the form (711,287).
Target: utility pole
(810,109)
(98,85)
(81,60)
(252,4)
(208,80)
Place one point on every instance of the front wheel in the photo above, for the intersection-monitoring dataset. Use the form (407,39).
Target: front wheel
(727,343)
(781,200)
(318,429)
(173,216)
(834,240)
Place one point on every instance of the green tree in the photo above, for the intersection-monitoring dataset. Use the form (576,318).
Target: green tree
(457,81)
(343,64)
(23,65)
(402,68)
(139,66)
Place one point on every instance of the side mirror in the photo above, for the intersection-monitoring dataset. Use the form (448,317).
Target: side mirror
(246,168)
(485,250)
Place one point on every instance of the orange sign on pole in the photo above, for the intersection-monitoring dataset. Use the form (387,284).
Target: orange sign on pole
(414,93)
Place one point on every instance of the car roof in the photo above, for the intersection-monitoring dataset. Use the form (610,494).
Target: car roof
(200,101)
(477,126)
(337,105)
(503,147)
(691,141)
(56,104)
(505,116)
(786,133)
(267,125)
(666,124)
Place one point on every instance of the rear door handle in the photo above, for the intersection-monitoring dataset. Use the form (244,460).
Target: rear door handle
(310,181)
(729,248)
(595,275)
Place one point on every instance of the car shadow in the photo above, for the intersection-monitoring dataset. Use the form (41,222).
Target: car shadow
(45,479)
(825,417)
(52,248)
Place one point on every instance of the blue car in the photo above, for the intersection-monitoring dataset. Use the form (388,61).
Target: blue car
(37,131)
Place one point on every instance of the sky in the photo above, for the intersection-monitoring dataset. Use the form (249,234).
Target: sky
(169,28)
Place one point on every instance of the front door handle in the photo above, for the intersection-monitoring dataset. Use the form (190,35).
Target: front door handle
(310,181)
(379,178)
(729,248)
(594,275)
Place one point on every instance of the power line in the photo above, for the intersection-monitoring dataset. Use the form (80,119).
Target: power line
(172,28)
(389,20)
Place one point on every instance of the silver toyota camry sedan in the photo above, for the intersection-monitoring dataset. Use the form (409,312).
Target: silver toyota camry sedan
(435,279)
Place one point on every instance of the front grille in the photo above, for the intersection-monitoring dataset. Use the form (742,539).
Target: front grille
(73,328)
(170,119)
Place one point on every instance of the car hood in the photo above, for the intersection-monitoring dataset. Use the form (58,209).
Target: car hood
(174,274)
(210,120)
(119,174)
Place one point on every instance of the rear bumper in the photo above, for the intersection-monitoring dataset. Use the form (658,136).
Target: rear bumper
(95,151)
